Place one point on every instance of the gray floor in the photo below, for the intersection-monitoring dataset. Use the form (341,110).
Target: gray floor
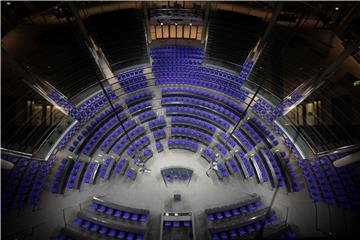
(150,192)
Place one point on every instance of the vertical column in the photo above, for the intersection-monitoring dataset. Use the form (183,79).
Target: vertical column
(205,24)
(254,56)
(260,45)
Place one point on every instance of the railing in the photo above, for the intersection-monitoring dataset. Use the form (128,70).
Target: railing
(299,136)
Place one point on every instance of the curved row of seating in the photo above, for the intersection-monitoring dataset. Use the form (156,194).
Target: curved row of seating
(106,168)
(139,107)
(265,131)
(92,105)
(254,136)
(139,97)
(235,210)
(121,166)
(103,230)
(191,133)
(74,179)
(277,173)
(222,171)
(166,67)
(221,149)
(164,51)
(118,132)
(227,89)
(123,142)
(205,95)
(68,136)
(196,113)
(182,143)
(194,102)
(157,123)
(334,186)
(118,212)
(132,80)
(232,166)
(208,155)
(177,224)
(147,116)
(159,134)
(90,173)
(188,69)
(24,183)
(193,122)
(61,175)
(227,141)
(89,147)
(243,141)
(137,146)
(246,166)
(88,131)
(261,171)
(246,228)
(264,110)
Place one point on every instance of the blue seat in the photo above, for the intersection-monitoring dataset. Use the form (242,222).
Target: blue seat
(134,217)
(126,215)
(228,214)
(101,208)
(86,224)
(219,215)
(143,218)
(130,236)
(121,235)
(78,221)
(109,211)
(103,230)
(94,227)
(111,233)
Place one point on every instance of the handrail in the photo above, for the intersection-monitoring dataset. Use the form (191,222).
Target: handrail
(248,85)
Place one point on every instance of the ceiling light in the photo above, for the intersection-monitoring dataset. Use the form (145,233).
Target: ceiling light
(161,24)
(8,3)
(190,24)
(337,8)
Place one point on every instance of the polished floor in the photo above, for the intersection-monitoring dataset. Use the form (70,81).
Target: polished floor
(150,192)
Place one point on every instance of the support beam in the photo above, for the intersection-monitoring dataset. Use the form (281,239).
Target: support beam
(95,51)
(255,53)
(205,24)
